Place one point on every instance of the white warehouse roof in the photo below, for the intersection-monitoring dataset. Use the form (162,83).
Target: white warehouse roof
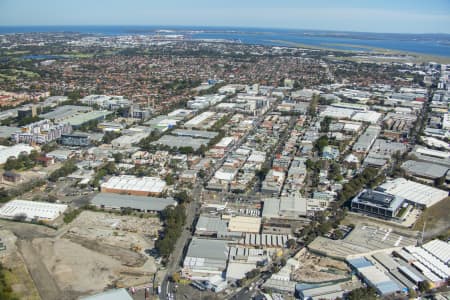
(7,152)
(133,183)
(225,142)
(367,116)
(32,210)
(413,191)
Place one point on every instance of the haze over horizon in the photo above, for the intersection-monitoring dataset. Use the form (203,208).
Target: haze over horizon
(382,16)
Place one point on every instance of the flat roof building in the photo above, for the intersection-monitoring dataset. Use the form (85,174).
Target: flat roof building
(424,169)
(417,193)
(181,141)
(139,203)
(78,120)
(31,210)
(377,203)
(62,113)
(205,258)
(196,133)
(374,277)
(244,224)
(210,226)
(13,151)
(366,140)
(132,185)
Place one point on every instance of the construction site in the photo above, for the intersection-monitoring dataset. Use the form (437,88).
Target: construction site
(317,269)
(96,251)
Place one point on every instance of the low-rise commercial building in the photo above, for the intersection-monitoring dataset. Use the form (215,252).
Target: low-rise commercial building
(377,203)
(205,258)
(244,224)
(374,276)
(366,140)
(74,139)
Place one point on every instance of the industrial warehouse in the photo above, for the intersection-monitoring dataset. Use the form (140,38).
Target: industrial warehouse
(132,185)
(111,201)
(405,268)
(31,210)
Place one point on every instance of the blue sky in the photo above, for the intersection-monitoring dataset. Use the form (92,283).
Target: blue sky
(410,16)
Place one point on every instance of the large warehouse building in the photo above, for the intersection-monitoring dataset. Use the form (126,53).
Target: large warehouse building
(13,151)
(31,210)
(205,258)
(417,193)
(132,185)
(139,203)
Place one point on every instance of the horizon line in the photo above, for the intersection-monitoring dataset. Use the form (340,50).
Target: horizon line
(224,26)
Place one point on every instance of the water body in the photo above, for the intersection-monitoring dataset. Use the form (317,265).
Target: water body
(430,44)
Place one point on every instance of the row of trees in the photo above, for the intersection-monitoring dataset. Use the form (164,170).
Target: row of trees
(369,177)
(174,219)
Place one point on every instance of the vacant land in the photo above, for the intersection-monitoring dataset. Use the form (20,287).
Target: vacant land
(16,273)
(316,269)
(97,250)
(436,218)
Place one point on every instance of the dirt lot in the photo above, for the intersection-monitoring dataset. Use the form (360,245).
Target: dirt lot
(17,275)
(314,268)
(97,250)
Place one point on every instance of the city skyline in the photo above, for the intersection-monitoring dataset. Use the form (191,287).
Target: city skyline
(349,15)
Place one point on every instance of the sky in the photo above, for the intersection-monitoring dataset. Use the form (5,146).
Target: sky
(398,16)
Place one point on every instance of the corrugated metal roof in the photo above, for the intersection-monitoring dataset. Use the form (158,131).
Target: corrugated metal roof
(387,261)
(118,201)
(387,287)
(440,249)
(409,274)
(360,262)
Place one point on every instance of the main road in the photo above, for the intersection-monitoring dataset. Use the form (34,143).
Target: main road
(192,209)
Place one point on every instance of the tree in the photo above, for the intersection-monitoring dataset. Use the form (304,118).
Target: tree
(67,168)
(325,124)
(11,164)
(425,286)
(169,179)
(109,136)
(321,143)
(291,243)
(412,293)
(252,274)
(182,197)
(362,293)
(118,156)
(312,109)
(176,277)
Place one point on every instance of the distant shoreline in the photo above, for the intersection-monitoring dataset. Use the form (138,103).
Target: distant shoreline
(433,45)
